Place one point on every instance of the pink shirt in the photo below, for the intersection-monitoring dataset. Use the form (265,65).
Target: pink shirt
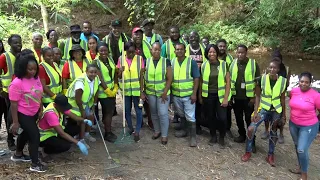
(129,61)
(28,94)
(50,120)
(304,107)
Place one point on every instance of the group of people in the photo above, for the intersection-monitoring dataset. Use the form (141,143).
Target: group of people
(52,92)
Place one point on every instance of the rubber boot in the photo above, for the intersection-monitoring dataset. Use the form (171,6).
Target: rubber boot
(193,140)
(184,129)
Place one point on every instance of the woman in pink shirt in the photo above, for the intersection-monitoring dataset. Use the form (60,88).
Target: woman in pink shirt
(25,93)
(304,124)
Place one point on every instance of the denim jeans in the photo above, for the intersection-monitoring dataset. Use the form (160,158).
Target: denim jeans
(184,108)
(302,137)
(270,116)
(128,106)
(159,114)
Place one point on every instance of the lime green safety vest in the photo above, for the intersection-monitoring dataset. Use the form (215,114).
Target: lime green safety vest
(105,76)
(39,59)
(229,59)
(85,95)
(205,72)
(75,70)
(271,97)
(202,48)
(249,76)
(88,56)
(154,38)
(55,83)
(68,46)
(146,47)
(131,75)
(182,84)
(107,40)
(170,48)
(155,77)
(7,78)
(45,134)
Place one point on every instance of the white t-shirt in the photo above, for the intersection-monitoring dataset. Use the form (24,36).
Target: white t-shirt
(80,85)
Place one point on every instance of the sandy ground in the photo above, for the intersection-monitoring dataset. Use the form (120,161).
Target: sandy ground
(148,159)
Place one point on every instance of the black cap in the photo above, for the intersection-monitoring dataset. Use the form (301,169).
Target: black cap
(116,23)
(75,28)
(147,21)
(62,102)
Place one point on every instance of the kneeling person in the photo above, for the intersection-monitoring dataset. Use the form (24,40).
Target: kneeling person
(54,137)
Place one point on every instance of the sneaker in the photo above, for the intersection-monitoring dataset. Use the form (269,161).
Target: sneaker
(3,152)
(136,138)
(22,158)
(281,139)
(222,142)
(110,137)
(90,138)
(213,140)
(246,157)
(265,135)
(84,142)
(38,168)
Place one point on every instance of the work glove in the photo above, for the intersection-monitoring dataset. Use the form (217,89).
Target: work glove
(108,92)
(82,148)
(115,90)
(88,122)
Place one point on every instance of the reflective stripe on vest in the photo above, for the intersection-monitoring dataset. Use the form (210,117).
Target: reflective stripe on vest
(205,72)
(88,56)
(7,78)
(202,52)
(155,77)
(39,59)
(131,75)
(45,134)
(68,46)
(182,84)
(120,43)
(146,49)
(272,96)
(55,81)
(85,95)
(109,81)
(249,76)
(170,48)
(75,70)
(155,37)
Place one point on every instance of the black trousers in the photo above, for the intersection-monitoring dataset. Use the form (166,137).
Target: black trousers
(55,145)
(8,121)
(240,107)
(229,122)
(215,114)
(30,134)
(3,110)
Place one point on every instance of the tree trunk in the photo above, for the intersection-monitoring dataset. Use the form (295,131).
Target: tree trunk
(44,14)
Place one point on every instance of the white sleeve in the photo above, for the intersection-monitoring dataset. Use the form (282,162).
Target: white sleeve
(78,85)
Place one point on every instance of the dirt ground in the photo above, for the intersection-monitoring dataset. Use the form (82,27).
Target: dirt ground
(148,159)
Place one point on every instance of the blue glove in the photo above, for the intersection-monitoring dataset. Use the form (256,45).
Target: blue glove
(82,148)
(87,121)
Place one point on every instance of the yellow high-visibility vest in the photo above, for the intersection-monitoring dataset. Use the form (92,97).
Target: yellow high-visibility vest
(108,80)
(55,80)
(7,78)
(182,84)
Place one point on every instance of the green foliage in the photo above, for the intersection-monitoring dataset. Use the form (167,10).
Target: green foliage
(139,10)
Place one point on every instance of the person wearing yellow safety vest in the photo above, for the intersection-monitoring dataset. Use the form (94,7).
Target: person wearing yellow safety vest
(225,56)
(37,40)
(214,93)
(184,89)
(185,37)
(243,72)
(132,67)
(92,53)
(270,95)
(7,61)
(83,96)
(116,40)
(158,79)
(167,49)
(147,26)
(57,57)
(54,136)
(284,72)
(74,67)
(50,77)
(54,42)
(142,49)
(108,89)
(75,32)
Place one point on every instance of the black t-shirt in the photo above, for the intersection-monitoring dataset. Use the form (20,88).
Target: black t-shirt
(197,57)
(168,63)
(214,75)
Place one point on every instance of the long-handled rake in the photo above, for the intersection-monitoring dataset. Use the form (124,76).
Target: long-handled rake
(124,137)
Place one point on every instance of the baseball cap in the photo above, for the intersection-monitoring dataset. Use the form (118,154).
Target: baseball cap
(147,21)
(62,102)
(75,28)
(116,23)
(136,29)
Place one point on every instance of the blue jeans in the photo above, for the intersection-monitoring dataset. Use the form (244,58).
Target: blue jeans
(270,116)
(184,108)
(128,106)
(302,137)
(159,114)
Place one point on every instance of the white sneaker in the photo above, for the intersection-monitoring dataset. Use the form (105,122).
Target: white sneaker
(90,138)
(84,142)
